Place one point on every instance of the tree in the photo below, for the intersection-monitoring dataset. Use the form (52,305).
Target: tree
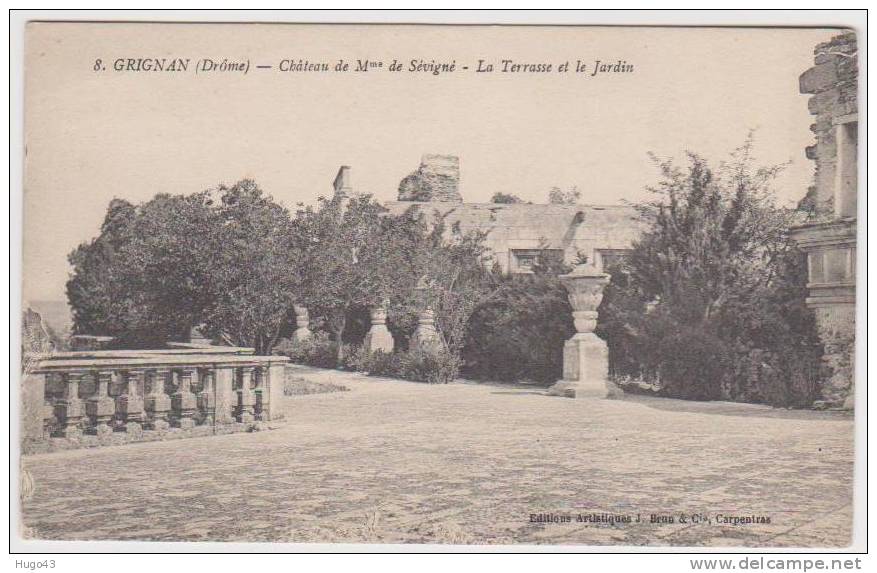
(143,278)
(353,257)
(223,257)
(254,268)
(570,196)
(689,309)
(499,197)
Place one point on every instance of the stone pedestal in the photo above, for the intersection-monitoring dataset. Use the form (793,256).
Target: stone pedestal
(426,337)
(302,320)
(378,336)
(585,355)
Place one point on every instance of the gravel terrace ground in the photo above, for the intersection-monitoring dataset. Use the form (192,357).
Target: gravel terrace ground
(400,462)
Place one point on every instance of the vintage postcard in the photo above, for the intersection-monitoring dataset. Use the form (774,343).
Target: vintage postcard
(474,286)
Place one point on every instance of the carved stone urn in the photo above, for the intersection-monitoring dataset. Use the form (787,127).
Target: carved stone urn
(585,355)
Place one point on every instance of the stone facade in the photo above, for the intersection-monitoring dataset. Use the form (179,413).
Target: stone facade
(829,239)
(516,233)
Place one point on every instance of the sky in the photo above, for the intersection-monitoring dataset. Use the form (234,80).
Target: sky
(95,135)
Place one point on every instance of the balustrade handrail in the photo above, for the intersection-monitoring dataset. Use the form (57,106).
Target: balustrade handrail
(102,392)
(170,361)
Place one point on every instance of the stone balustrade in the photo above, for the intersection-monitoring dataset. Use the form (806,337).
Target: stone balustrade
(186,389)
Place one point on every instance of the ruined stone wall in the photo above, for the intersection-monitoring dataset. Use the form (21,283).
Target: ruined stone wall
(833,83)
(437,179)
(829,238)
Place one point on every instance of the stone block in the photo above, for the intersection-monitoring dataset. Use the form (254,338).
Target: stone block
(818,77)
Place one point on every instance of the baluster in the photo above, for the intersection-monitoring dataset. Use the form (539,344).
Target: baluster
(100,408)
(130,403)
(184,401)
(157,402)
(246,398)
(70,407)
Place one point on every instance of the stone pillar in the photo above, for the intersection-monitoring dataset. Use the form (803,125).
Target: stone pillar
(426,337)
(207,396)
(302,319)
(585,356)
(100,408)
(276,379)
(184,401)
(223,383)
(36,414)
(130,404)
(157,403)
(71,409)
(378,336)
(246,396)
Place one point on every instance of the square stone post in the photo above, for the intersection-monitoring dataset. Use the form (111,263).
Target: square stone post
(246,397)
(276,379)
(130,404)
(224,394)
(184,401)
(100,408)
(71,409)
(585,355)
(157,402)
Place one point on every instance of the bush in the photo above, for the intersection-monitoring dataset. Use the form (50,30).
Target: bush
(432,367)
(519,334)
(298,386)
(318,350)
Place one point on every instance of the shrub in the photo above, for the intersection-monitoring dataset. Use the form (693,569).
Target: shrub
(519,333)
(434,366)
(318,350)
(298,386)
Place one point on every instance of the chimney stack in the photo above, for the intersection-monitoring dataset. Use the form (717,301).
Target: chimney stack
(342,181)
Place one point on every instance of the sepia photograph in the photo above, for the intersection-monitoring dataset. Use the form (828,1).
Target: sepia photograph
(394,285)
